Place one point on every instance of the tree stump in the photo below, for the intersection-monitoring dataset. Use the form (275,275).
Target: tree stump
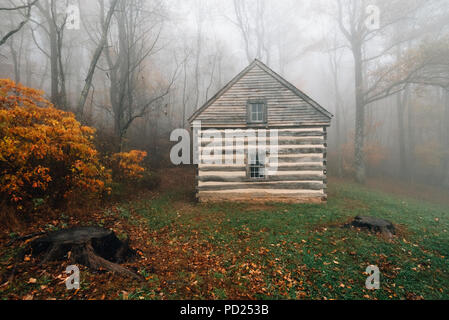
(374,224)
(94,247)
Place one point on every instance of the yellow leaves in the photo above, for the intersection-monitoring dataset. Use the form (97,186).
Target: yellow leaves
(125,295)
(126,165)
(32,280)
(88,131)
(40,147)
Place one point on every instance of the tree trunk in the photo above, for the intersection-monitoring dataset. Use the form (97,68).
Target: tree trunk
(62,95)
(95,58)
(411,140)
(199,36)
(184,102)
(47,9)
(445,140)
(359,143)
(401,99)
(54,70)
(339,141)
(338,102)
(119,73)
(16,63)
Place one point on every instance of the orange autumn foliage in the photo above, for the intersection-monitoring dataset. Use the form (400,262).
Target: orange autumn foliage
(126,166)
(45,153)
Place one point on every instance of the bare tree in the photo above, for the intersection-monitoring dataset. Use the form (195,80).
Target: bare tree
(16,54)
(184,97)
(55,18)
(96,56)
(138,37)
(198,51)
(334,63)
(250,21)
(352,22)
(27,14)
(445,138)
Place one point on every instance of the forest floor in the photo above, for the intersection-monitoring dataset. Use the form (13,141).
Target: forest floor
(245,251)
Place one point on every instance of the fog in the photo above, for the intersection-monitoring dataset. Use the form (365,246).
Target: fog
(381,67)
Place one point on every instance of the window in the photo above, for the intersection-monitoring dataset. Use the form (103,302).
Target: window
(257,112)
(256,167)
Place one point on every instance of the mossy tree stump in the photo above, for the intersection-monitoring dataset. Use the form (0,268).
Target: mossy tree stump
(95,247)
(373,224)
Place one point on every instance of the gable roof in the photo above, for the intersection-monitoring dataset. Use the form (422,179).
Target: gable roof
(273,74)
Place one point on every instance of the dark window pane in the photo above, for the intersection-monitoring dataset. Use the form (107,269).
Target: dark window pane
(256,167)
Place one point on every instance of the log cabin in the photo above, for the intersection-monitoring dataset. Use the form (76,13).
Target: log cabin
(260,108)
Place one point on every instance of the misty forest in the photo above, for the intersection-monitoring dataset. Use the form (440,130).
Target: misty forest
(90,92)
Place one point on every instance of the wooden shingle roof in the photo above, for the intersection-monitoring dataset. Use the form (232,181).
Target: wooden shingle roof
(259,80)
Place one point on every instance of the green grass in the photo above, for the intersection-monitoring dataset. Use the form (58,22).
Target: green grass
(269,251)
(301,251)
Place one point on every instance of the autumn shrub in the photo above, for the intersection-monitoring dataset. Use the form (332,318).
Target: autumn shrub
(46,155)
(127,166)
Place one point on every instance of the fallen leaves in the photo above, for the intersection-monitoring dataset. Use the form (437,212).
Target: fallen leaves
(211,254)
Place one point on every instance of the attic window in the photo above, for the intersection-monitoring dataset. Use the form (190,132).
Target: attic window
(257,112)
(256,167)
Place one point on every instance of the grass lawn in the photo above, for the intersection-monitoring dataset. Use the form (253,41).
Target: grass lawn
(270,251)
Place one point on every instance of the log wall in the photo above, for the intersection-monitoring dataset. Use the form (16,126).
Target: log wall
(300,174)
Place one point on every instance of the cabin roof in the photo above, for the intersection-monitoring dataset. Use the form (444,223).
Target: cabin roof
(273,74)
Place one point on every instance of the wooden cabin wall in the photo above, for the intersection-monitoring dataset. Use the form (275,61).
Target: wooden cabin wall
(300,175)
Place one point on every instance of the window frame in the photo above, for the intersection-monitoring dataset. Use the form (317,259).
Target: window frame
(249,111)
(262,165)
